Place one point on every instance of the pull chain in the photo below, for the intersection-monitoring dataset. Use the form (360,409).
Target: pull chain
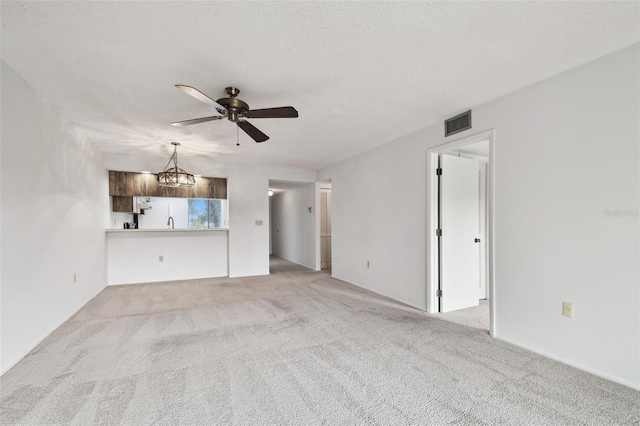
(237,135)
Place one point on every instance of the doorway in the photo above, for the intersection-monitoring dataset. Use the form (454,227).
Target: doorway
(460,218)
(325,227)
(293,222)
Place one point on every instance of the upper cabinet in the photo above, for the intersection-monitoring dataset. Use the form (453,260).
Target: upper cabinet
(205,186)
(122,204)
(141,183)
(118,184)
(146,184)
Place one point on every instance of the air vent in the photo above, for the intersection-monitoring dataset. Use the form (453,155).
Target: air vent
(457,124)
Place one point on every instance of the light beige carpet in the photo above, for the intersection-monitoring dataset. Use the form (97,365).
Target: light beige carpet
(296,347)
(476,316)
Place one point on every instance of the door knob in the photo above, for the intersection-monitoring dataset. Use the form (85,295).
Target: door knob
(477,240)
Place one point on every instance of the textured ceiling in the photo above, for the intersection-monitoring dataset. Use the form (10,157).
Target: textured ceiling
(360,73)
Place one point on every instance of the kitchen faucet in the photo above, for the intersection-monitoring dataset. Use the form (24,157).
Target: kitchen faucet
(170,222)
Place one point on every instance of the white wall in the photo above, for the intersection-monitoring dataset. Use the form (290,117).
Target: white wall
(294,229)
(133,256)
(566,151)
(379,215)
(248,191)
(54,212)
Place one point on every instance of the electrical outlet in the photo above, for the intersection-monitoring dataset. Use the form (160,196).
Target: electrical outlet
(161,258)
(368,264)
(258,223)
(567,309)
(75,277)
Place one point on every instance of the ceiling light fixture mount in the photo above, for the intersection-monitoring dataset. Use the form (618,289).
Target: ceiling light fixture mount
(175,176)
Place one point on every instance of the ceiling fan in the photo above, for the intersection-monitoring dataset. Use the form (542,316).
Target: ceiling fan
(235,110)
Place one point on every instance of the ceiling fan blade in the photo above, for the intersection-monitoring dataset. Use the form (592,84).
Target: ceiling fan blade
(252,131)
(281,112)
(200,96)
(196,120)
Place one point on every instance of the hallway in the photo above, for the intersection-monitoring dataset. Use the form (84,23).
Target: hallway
(278,265)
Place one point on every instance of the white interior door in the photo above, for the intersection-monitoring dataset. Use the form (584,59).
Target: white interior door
(459,221)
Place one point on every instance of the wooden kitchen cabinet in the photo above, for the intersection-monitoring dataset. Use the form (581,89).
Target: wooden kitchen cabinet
(138,183)
(200,189)
(153,189)
(220,190)
(207,187)
(177,192)
(122,204)
(118,184)
(126,184)
(129,184)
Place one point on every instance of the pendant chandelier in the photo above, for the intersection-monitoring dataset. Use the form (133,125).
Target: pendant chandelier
(175,176)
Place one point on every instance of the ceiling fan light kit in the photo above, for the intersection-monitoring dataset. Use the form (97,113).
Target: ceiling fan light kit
(235,110)
(175,176)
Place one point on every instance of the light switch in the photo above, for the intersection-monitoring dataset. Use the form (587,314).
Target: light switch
(567,309)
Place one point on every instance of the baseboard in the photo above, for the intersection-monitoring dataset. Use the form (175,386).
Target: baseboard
(24,354)
(571,363)
(397,299)
(178,280)
(252,275)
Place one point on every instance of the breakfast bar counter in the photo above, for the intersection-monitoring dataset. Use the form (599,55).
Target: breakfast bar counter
(168,230)
(153,255)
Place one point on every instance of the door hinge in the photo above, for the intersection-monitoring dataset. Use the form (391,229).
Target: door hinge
(439,232)
(439,171)
(438,293)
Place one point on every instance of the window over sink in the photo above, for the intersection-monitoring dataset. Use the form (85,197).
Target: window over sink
(208,213)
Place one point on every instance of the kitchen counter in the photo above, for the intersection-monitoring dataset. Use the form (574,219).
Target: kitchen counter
(166,230)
